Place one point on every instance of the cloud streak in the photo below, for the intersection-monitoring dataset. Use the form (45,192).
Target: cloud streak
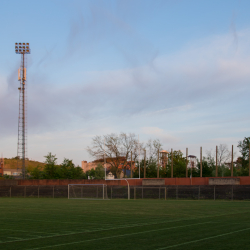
(192,76)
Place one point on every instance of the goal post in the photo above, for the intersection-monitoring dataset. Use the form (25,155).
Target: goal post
(88,191)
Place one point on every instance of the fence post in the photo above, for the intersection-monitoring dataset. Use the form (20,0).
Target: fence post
(165,193)
(10,191)
(135,193)
(214,193)
(38,192)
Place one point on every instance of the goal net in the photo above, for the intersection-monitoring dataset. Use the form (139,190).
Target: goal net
(87,191)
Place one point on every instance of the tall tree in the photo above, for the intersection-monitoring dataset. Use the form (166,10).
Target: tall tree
(244,150)
(67,170)
(152,147)
(179,165)
(50,168)
(117,150)
(223,154)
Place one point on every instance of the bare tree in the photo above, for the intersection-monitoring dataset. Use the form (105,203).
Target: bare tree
(117,150)
(152,149)
(223,154)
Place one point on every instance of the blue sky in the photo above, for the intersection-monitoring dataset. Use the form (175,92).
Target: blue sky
(174,70)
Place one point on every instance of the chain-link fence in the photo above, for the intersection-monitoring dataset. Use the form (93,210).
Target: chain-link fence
(240,192)
(34,191)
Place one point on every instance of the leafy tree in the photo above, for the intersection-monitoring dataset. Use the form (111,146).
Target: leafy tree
(67,170)
(8,177)
(179,165)
(151,169)
(91,173)
(244,159)
(99,172)
(208,168)
(36,173)
(50,169)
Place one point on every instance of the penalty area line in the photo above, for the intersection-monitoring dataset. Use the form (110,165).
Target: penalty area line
(207,238)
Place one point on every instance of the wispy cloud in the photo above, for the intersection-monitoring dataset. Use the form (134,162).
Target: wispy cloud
(195,75)
(160,133)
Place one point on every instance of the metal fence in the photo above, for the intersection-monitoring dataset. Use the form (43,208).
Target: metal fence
(240,192)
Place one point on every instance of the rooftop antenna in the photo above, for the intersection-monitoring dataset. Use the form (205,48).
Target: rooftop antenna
(23,49)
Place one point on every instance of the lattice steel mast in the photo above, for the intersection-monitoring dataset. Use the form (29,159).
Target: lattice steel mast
(22,48)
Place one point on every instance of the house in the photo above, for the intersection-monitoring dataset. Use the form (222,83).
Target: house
(86,166)
(12,171)
(1,166)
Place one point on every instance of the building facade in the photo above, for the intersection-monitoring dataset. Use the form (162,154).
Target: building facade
(86,166)
(12,171)
(1,166)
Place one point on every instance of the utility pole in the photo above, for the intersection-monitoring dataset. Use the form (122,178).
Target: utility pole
(172,166)
(232,163)
(186,162)
(131,170)
(158,163)
(22,48)
(201,162)
(216,169)
(144,163)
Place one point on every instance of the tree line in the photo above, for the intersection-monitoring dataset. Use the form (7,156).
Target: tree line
(127,146)
(65,170)
(122,148)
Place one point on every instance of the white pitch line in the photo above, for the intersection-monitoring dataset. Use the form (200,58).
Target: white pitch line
(116,236)
(127,226)
(14,230)
(60,235)
(208,238)
(14,237)
(144,224)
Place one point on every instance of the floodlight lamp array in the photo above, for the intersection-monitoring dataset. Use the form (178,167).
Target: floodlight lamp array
(22,48)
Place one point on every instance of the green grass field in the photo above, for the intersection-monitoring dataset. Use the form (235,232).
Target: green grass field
(122,224)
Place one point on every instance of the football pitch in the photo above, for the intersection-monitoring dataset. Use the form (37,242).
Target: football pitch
(44,223)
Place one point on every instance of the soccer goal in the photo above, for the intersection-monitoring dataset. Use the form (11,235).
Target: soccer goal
(87,191)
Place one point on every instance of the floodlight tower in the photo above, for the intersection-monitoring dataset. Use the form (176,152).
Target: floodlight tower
(22,48)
